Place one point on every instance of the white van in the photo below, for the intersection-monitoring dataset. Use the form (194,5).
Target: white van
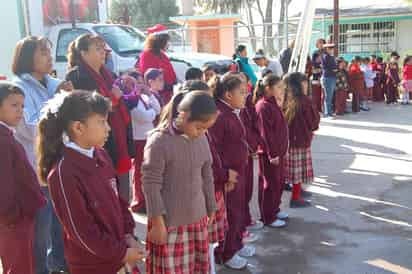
(126,43)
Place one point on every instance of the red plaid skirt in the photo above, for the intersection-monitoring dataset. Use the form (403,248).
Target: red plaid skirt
(219,227)
(299,165)
(186,251)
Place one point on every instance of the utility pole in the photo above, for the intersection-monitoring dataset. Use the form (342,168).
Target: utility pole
(73,13)
(336,26)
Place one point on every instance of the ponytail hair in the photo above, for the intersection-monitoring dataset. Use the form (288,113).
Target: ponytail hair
(266,82)
(77,106)
(239,49)
(82,43)
(294,93)
(227,83)
(199,104)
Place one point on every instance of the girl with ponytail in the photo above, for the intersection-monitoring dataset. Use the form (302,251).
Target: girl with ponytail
(273,130)
(177,179)
(98,226)
(229,138)
(303,119)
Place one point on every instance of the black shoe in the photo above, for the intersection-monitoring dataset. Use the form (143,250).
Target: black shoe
(305,194)
(288,187)
(299,203)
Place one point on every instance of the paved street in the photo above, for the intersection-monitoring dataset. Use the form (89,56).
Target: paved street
(361,221)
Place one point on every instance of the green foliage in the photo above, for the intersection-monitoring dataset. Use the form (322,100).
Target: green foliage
(145,13)
(221,6)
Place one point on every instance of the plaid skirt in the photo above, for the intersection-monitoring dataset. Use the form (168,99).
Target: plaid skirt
(186,251)
(299,165)
(219,227)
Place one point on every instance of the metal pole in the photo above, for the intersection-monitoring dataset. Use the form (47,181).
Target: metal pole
(286,25)
(73,13)
(336,26)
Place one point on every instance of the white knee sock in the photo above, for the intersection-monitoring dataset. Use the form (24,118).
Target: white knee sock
(212,258)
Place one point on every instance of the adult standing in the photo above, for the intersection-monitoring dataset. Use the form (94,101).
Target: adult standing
(286,56)
(87,71)
(32,63)
(241,59)
(272,65)
(329,69)
(154,56)
(317,92)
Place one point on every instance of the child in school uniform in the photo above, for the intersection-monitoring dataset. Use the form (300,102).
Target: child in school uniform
(20,196)
(178,186)
(370,76)
(342,88)
(273,130)
(229,137)
(392,83)
(407,79)
(98,227)
(379,67)
(356,83)
(154,79)
(303,120)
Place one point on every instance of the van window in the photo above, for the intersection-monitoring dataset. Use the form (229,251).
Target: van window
(124,40)
(66,36)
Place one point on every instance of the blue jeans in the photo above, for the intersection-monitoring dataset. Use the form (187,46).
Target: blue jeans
(48,240)
(329,85)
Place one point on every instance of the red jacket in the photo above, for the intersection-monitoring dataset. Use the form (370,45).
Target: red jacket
(229,136)
(273,128)
(20,194)
(249,118)
(356,78)
(94,218)
(150,60)
(305,122)
(407,72)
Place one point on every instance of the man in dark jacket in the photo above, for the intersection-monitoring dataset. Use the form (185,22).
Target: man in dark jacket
(286,56)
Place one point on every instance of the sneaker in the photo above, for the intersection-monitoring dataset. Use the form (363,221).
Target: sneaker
(282,215)
(249,237)
(247,251)
(255,226)
(278,224)
(305,194)
(299,203)
(288,187)
(236,263)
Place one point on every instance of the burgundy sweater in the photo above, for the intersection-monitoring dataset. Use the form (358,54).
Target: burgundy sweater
(220,174)
(249,118)
(305,122)
(229,136)
(94,218)
(20,195)
(273,128)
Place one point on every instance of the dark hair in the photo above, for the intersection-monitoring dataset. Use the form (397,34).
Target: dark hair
(294,93)
(192,85)
(77,106)
(407,59)
(8,88)
(227,83)
(81,43)
(239,49)
(207,67)
(366,59)
(136,75)
(340,60)
(23,56)
(373,56)
(357,59)
(379,59)
(156,43)
(395,54)
(199,104)
(267,81)
(193,74)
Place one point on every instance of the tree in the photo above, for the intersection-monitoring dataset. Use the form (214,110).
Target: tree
(221,6)
(144,13)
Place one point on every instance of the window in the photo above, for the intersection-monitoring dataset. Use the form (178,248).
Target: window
(66,36)
(366,38)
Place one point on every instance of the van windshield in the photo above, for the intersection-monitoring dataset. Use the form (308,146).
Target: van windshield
(123,40)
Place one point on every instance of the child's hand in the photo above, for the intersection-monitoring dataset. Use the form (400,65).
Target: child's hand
(158,234)
(212,218)
(132,242)
(66,86)
(133,255)
(275,161)
(117,92)
(233,175)
(229,186)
